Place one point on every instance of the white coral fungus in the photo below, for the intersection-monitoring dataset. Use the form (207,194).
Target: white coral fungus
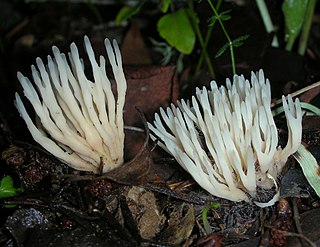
(226,138)
(81,122)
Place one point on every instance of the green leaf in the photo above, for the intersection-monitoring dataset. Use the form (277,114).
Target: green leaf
(222,50)
(223,16)
(235,43)
(7,188)
(126,12)
(165,5)
(310,167)
(205,222)
(176,29)
(211,21)
(294,13)
(239,41)
(311,108)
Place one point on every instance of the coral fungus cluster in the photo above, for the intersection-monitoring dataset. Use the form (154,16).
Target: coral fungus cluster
(226,137)
(80,121)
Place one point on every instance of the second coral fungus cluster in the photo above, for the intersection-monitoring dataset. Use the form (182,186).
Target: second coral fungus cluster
(226,137)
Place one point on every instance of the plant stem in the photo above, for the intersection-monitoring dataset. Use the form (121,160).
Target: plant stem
(204,50)
(200,38)
(267,20)
(206,42)
(290,43)
(306,27)
(227,36)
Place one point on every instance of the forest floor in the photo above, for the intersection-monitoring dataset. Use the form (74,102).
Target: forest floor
(155,202)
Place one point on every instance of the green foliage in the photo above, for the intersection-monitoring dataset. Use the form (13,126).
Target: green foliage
(294,12)
(311,109)
(298,14)
(309,167)
(239,41)
(176,29)
(180,29)
(165,5)
(306,27)
(7,188)
(204,215)
(230,43)
(235,43)
(126,12)
(223,16)
(222,49)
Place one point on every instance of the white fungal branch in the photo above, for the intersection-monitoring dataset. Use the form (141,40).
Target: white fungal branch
(81,122)
(226,137)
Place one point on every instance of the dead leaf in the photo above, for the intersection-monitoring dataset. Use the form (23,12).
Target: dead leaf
(133,48)
(139,169)
(180,226)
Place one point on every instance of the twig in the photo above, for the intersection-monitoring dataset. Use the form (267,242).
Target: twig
(262,218)
(133,128)
(16,29)
(296,215)
(296,93)
(293,234)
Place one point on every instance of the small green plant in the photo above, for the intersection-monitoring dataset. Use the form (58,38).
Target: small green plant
(294,12)
(231,44)
(180,35)
(298,19)
(7,189)
(204,215)
(179,27)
